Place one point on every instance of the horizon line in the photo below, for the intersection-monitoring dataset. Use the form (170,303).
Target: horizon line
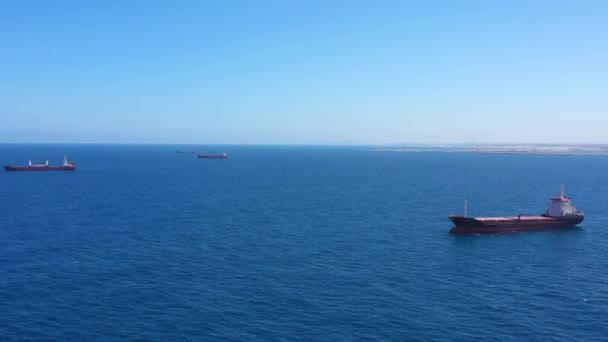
(309,144)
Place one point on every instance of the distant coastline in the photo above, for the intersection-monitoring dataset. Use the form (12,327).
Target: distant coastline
(541,149)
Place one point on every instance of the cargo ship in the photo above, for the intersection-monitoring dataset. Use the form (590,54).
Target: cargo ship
(67,165)
(560,214)
(213,156)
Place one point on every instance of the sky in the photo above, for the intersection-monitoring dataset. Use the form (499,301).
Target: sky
(304,72)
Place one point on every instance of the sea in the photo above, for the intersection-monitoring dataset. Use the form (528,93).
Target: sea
(296,243)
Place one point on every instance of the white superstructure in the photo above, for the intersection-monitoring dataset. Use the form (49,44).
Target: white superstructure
(561,207)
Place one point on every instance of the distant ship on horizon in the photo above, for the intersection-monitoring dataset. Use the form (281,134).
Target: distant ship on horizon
(559,214)
(67,165)
(213,156)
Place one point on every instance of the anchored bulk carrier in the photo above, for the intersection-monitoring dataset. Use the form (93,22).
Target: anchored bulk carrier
(559,214)
(213,156)
(67,165)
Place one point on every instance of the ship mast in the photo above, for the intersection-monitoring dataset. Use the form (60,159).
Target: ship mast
(561,193)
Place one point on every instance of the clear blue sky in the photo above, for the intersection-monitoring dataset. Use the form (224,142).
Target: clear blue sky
(322,72)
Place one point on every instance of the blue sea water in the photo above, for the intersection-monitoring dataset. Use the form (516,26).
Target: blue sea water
(296,243)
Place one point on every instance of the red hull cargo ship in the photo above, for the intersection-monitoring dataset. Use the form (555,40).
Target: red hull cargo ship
(213,156)
(559,214)
(68,165)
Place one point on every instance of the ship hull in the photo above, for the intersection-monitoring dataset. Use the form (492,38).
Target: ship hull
(39,168)
(211,157)
(472,225)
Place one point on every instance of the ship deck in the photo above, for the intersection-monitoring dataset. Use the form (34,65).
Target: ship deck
(513,218)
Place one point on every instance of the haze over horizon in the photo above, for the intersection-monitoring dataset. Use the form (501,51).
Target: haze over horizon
(273,72)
